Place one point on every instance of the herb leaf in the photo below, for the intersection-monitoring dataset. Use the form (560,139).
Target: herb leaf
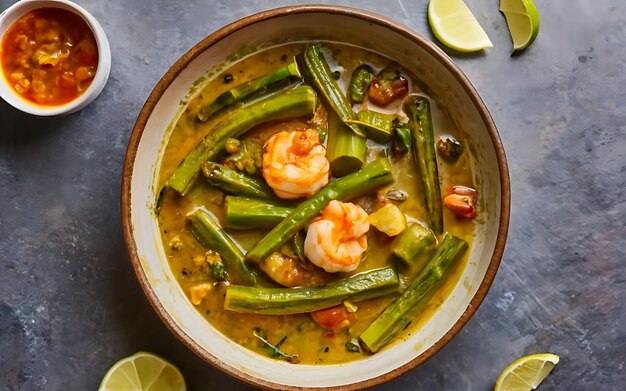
(274,350)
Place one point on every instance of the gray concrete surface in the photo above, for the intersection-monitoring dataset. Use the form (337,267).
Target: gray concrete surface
(70,305)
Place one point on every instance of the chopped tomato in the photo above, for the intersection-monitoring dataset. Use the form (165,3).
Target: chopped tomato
(461,201)
(334,318)
(383,91)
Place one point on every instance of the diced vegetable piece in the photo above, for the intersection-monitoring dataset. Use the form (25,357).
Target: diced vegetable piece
(361,78)
(209,233)
(449,149)
(370,177)
(334,318)
(417,108)
(404,309)
(233,182)
(299,102)
(345,150)
(316,72)
(283,301)
(248,213)
(388,220)
(199,292)
(248,88)
(412,243)
(403,139)
(387,86)
(461,201)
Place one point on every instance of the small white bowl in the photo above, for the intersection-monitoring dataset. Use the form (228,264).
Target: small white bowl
(19,9)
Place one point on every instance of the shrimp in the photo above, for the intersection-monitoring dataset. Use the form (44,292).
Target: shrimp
(295,164)
(336,240)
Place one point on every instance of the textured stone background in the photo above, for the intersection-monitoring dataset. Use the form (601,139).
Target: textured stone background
(70,305)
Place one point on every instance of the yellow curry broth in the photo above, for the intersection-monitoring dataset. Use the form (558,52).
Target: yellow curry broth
(312,344)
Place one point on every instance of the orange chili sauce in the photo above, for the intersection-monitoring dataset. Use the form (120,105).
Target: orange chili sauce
(49,56)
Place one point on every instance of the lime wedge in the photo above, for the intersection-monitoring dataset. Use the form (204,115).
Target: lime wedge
(143,372)
(456,27)
(526,373)
(523,21)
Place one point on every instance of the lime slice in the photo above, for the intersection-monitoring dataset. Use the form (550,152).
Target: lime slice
(526,373)
(143,372)
(455,26)
(523,21)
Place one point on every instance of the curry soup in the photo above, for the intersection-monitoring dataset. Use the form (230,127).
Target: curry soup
(301,337)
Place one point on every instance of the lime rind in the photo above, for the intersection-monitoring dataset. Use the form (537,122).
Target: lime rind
(522,19)
(455,26)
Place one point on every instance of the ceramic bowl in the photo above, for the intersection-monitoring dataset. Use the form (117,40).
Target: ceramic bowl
(448,84)
(19,9)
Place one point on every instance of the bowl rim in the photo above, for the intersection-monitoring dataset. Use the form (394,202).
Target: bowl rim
(21,8)
(233,27)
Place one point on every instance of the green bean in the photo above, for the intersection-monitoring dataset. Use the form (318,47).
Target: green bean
(417,108)
(404,309)
(284,301)
(299,102)
(247,213)
(370,177)
(209,233)
(316,72)
(262,83)
(235,183)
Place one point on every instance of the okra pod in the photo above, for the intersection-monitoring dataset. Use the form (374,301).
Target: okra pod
(299,102)
(316,72)
(370,177)
(284,301)
(248,213)
(345,150)
(234,182)
(404,309)
(417,108)
(209,233)
(413,241)
(234,95)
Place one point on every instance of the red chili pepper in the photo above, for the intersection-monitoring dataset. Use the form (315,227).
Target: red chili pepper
(334,318)
(461,200)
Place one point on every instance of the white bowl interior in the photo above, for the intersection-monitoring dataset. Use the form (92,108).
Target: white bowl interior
(21,8)
(332,27)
